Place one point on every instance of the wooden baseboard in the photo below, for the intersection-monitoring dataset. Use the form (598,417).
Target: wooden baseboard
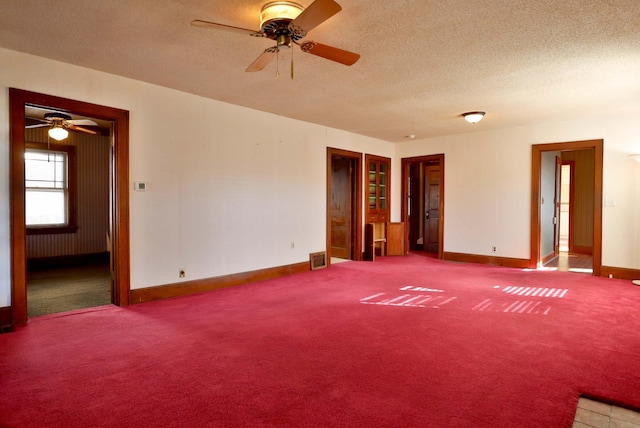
(64,261)
(620,273)
(6,324)
(166,291)
(547,258)
(487,260)
(582,250)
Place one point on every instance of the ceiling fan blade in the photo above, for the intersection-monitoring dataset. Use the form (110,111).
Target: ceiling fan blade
(216,26)
(83,122)
(34,122)
(329,52)
(264,59)
(81,129)
(315,14)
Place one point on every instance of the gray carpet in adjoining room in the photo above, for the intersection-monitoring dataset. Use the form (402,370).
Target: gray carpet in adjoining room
(68,288)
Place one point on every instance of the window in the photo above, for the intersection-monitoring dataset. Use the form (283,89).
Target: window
(49,191)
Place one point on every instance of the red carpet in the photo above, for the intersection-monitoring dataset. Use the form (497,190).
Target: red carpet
(401,342)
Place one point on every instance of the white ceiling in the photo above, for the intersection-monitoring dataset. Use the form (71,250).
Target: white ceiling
(422,64)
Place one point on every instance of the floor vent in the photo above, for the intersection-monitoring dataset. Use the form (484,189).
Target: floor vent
(318,260)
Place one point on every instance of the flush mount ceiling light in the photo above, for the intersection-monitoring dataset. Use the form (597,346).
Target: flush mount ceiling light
(473,116)
(58,133)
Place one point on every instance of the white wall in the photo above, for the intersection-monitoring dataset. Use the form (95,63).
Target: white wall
(488,185)
(229,188)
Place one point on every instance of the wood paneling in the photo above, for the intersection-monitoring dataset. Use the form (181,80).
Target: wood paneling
(208,284)
(395,239)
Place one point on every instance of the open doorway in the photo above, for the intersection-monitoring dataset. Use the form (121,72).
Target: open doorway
(423,204)
(566,221)
(344,207)
(118,199)
(68,226)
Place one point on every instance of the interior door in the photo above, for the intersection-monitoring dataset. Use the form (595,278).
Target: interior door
(415,220)
(341,207)
(431,207)
(556,206)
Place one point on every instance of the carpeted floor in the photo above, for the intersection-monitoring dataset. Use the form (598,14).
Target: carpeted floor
(401,342)
(68,288)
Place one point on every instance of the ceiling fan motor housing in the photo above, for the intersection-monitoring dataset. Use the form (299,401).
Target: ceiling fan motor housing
(274,21)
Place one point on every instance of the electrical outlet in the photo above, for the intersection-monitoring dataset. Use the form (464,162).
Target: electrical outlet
(181,274)
(293,244)
(493,249)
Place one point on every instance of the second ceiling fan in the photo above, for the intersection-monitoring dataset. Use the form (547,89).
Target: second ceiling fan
(288,23)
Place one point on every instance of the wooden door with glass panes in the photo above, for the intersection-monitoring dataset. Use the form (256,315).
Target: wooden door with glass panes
(378,183)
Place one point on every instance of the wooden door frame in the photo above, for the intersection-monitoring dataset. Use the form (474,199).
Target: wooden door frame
(120,193)
(356,233)
(572,184)
(404,212)
(536,177)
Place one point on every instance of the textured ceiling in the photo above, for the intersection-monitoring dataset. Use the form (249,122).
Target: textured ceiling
(422,64)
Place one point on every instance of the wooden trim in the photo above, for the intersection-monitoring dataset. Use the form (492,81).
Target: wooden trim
(548,258)
(359,225)
(487,260)
(166,291)
(120,187)
(572,202)
(72,260)
(404,211)
(582,250)
(536,161)
(5,320)
(620,273)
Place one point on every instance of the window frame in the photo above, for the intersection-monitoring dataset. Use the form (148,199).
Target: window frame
(70,201)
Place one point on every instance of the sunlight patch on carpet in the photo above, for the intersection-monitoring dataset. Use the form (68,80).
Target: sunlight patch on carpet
(409,300)
(535,291)
(524,303)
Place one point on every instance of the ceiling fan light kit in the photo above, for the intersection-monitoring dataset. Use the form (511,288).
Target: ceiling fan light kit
(58,133)
(287,23)
(474,116)
(278,11)
(59,125)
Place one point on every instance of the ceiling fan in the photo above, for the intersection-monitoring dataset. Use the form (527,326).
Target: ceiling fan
(288,23)
(59,124)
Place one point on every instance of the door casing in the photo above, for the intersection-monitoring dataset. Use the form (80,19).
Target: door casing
(357,225)
(437,159)
(536,177)
(120,194)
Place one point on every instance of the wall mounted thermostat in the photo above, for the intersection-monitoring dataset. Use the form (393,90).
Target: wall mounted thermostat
(140,186)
